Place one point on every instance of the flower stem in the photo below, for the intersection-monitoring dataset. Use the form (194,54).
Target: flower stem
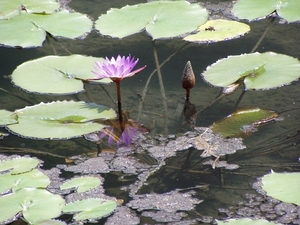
(120,106)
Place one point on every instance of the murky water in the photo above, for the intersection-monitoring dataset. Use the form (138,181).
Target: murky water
(273,146)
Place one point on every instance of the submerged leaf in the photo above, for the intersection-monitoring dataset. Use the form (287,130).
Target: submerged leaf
(243,122)
(283,186)
(160,19)
(259,70)
(59,120)
(81,183)
(218,30)
(93,208)
(61,74)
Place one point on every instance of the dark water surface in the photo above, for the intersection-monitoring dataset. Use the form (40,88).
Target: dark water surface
(227,187)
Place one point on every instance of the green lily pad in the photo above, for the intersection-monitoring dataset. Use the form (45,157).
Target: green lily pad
(93,208)
(259,70)
(256,9)
(160,19)
(50,222)
(7,117)
(81,183)
(55,74)
(35,205)
(12,8)
(243,122)
(34,178)
(283,186)
(29,30)
(19,165)
(218,30)
(245,221)
(60,120)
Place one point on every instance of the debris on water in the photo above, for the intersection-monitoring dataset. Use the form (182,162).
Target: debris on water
(123,215)
(169,202)
(162,216)
(93,165)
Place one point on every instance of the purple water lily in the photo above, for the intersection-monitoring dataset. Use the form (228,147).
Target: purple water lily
(116,69)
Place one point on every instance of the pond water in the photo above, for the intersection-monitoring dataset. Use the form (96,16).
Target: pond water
(274,146)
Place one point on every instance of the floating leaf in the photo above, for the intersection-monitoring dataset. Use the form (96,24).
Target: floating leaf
(34,178)
(61,74)
(29,30)
(257,9)
(283,186)
(160,19)
(7,117)
(243,121)
(35,205)
(81,183)
(245,221)
(59,120)
(218,30)
(19,165)
(13,7)
(259,70)
(50,222)
(93,208)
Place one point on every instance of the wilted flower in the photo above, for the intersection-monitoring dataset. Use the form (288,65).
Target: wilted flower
(116,69)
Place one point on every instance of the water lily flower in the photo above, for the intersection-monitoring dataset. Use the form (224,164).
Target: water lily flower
(116,69)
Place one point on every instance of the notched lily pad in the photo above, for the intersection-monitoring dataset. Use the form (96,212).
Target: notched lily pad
(243,122)
(60,74)
(218,30)
(7,117)
(93,208)
(160,19)
(60,120)
(19,165)
(282,186)
(81,183)
(258,71)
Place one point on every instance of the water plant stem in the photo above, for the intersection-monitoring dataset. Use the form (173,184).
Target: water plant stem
(122,125)
(162,89)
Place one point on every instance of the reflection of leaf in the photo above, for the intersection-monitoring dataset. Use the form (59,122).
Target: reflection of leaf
(35,204)
(19,165)
(160,19)
(283,186)
(256,9)
(61,74)
(29,30)
(45,119)
(243,122)
(82,183)
(259,70)
(218,30)
(92,208)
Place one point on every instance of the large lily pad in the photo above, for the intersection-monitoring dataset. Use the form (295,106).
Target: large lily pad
(7,117)
(243,122)
(12,8)
(34,178)
(29,30)
(283,186)
(218,30)
(60,120)
(35,204)
(160,19)
(259,70)
(55,74)
(19,165)
(257,9)
(93,208)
